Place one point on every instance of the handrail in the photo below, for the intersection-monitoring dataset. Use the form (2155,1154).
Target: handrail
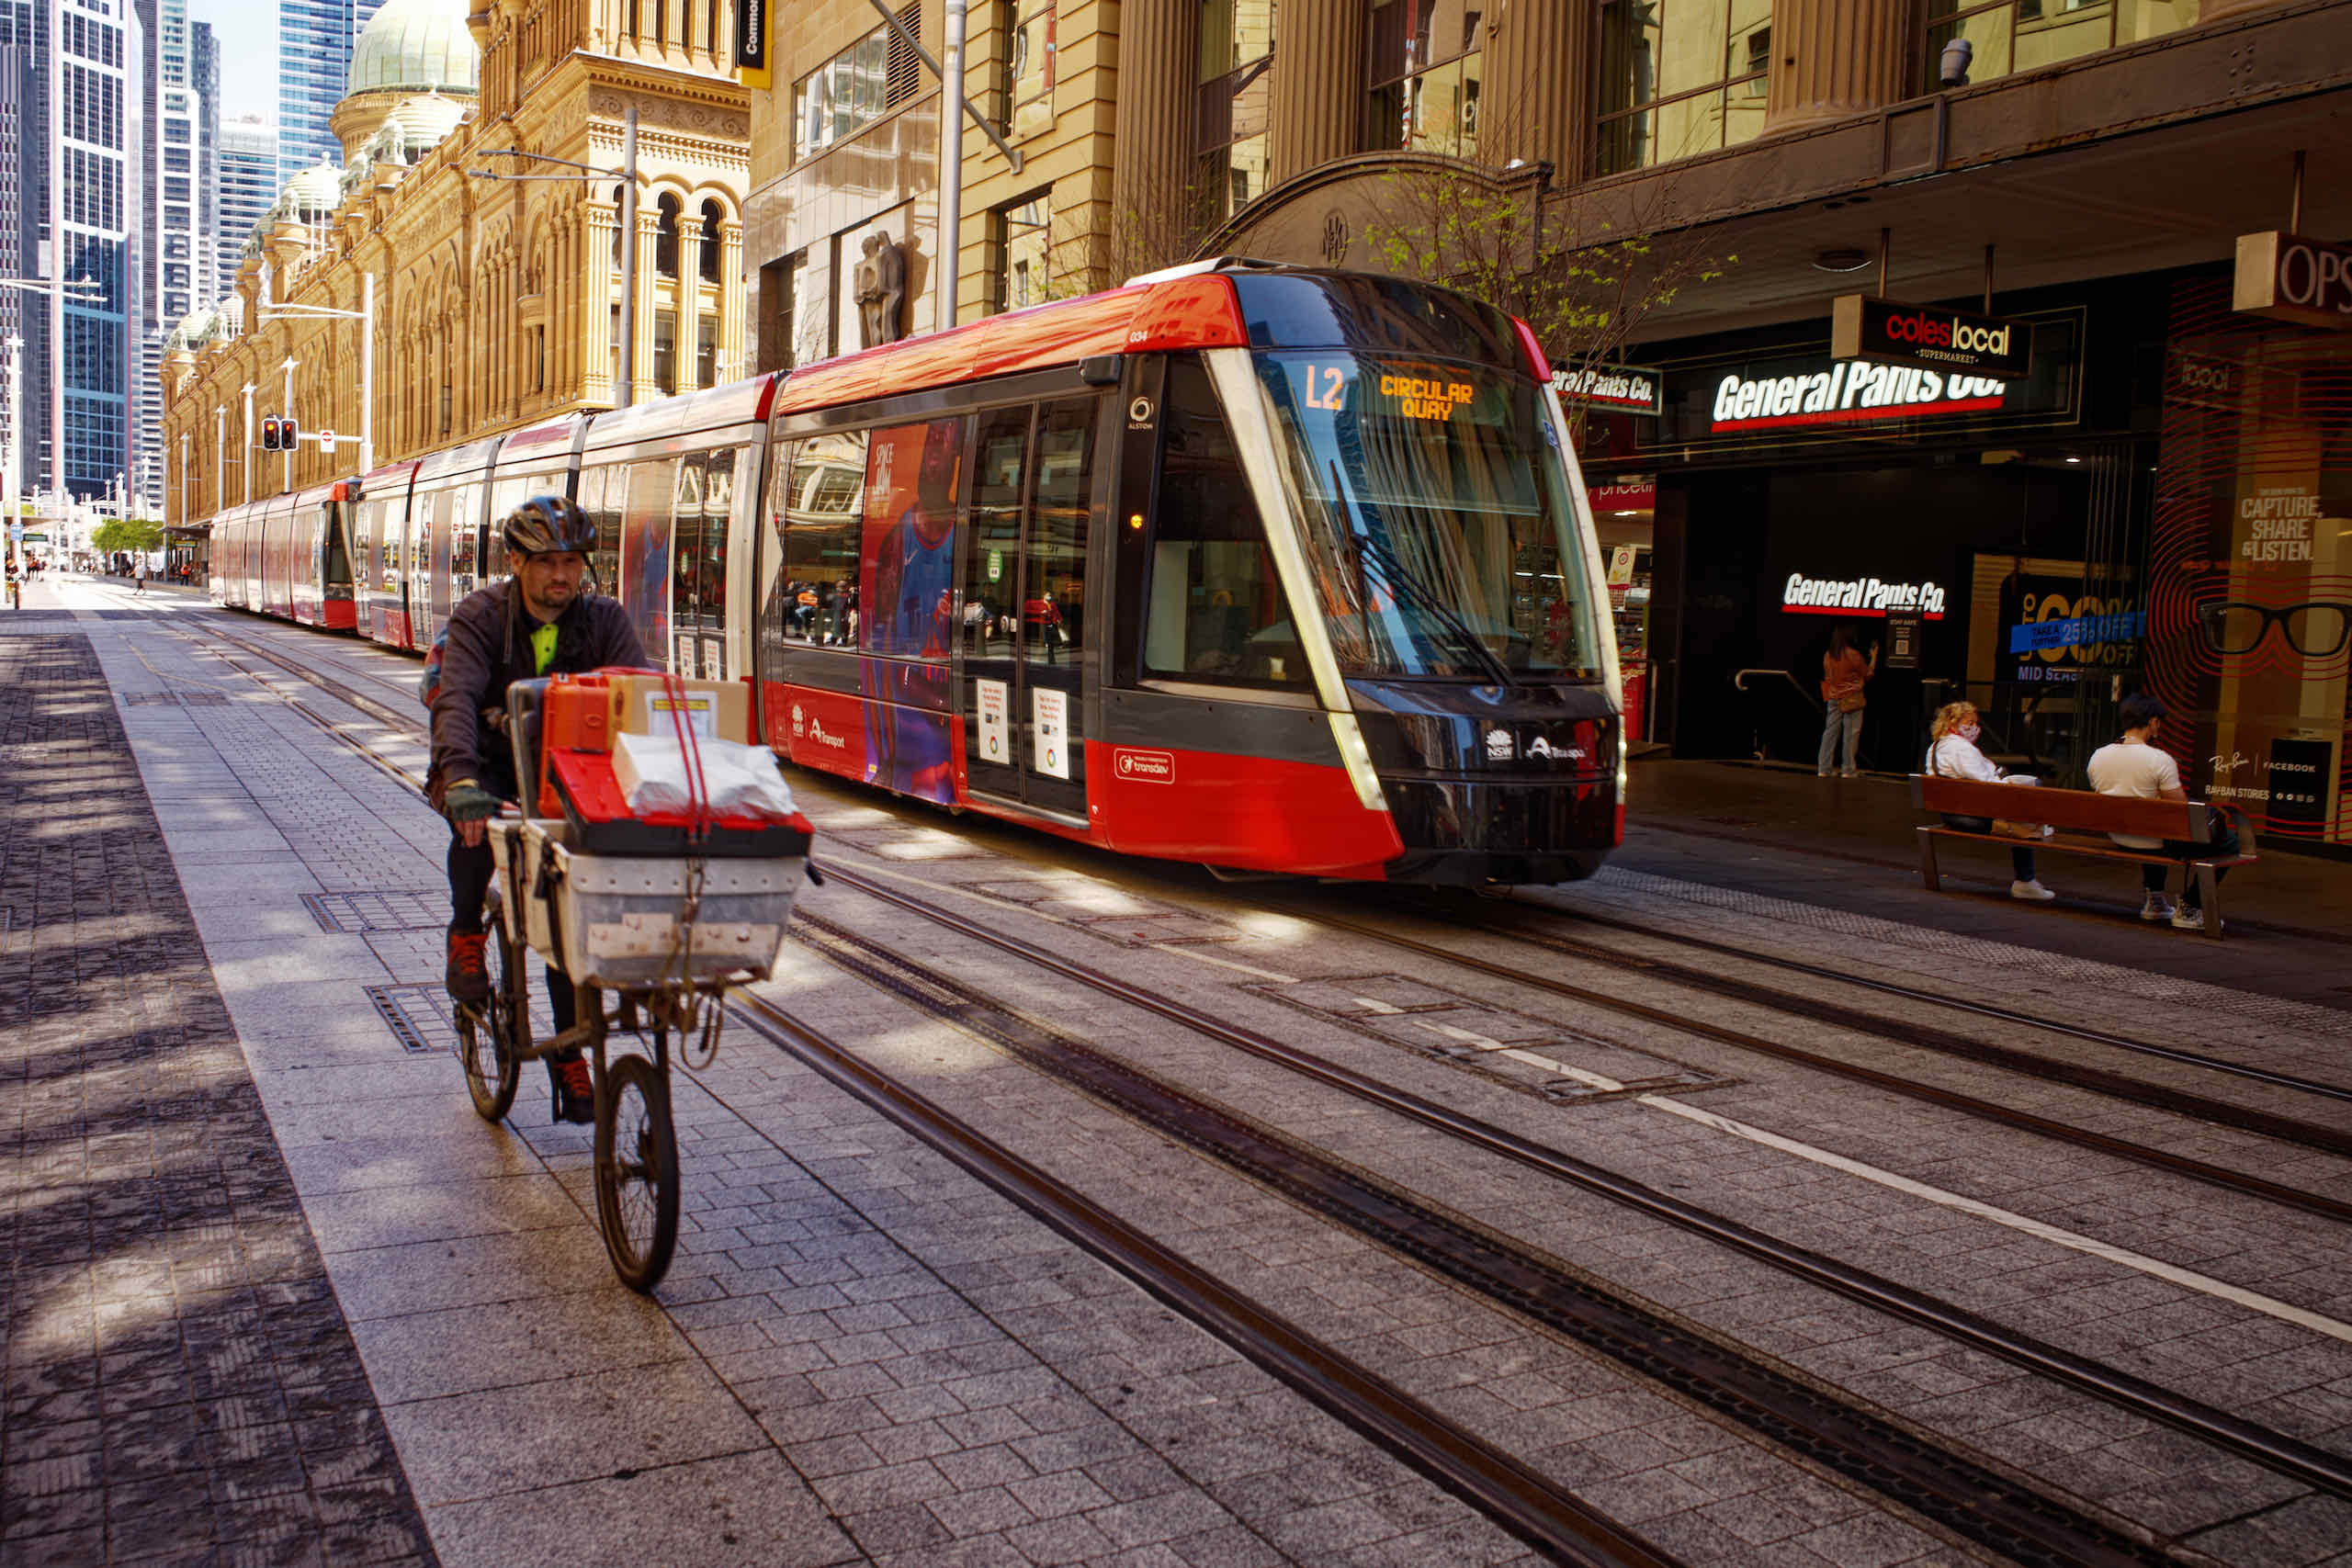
(1740,680)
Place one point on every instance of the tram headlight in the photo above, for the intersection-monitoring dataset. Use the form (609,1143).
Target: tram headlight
(1356,757)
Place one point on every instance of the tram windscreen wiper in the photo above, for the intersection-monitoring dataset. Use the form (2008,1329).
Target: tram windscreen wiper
(1405,585)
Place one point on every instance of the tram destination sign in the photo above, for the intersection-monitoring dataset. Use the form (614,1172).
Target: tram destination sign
(1886,331)
(2293,277)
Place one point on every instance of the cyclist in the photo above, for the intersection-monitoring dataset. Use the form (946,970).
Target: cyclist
(540,620)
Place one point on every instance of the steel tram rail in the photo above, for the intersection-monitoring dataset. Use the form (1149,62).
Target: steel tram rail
(2222,1177)
(2305,1462)
(1531,1505)
(1910,994)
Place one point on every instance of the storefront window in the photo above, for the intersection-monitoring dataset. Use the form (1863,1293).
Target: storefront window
(2006,36)
(1022,248)
(1624,519)
(1680,77)
(1230,113)
(1425,78)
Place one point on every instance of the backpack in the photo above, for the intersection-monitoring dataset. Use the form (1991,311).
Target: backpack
(428,685)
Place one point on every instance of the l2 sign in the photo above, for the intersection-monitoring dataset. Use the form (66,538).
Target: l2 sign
(1930,337)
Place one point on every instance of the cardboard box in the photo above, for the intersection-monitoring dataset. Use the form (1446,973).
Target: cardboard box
(719,709)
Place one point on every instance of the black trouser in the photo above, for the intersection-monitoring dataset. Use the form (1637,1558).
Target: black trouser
(2223,844)
(470,870)
(2020,860)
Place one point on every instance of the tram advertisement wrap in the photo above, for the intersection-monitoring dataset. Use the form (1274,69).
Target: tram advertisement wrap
(2250,571)
(907,590)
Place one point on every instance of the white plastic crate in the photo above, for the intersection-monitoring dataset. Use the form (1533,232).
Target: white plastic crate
(621,917)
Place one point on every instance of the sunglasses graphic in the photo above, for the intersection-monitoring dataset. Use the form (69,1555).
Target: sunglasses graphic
(2315,631)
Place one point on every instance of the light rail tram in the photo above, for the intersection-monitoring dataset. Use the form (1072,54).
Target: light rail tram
(1271,569)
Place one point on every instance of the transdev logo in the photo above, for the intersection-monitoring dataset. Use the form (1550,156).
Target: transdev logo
(1144,767)
(803,726)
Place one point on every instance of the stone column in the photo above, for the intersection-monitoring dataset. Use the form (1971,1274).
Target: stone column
(1831,59)
(593,334)
(1537,69)
(1320,50)
(731,287)
(1152,131)
(648,228)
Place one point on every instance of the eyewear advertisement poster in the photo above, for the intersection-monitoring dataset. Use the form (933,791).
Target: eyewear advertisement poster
(2250,571)
(1049,725)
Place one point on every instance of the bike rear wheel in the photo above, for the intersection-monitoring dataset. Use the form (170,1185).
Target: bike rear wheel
(486,1034)
(636,1171)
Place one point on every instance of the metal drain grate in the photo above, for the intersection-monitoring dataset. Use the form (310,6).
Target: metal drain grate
(204,699)
(398,910)
(418,1017)
(146,699)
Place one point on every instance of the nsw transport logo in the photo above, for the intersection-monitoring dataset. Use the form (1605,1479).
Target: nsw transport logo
(1144,767)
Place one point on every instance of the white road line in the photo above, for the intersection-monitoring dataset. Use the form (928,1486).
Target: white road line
(2189,1279)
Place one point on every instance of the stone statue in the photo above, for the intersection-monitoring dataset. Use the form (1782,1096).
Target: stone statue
(881,292)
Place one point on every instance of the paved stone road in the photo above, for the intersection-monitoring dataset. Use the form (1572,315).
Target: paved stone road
(180,1384)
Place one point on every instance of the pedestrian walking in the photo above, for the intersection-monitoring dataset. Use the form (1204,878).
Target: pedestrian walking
(1844,672)
(139,580)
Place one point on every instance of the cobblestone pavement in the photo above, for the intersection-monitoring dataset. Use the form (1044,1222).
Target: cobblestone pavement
(861,1355)
(180,1384)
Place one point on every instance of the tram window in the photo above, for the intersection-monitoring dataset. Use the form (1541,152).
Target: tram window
(600,494)
(1214,605)
(1053,590)
(645,551)
(505,495)
(465,539)
(718,502)
(992,560)
(338,561)
(826,481)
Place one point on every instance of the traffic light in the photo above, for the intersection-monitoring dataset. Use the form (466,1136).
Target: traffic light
(269,432)
(289,433)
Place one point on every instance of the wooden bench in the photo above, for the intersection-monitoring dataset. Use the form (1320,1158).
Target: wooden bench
(2084,819)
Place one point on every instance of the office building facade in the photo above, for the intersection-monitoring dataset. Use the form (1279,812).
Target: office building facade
(244,188)
(314,44)
(174,247)
(76,108)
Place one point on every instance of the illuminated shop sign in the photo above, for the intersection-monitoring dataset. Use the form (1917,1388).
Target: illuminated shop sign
(2293,279)
(1860,596)
(1613,388)
(1929,337)
(1849,392)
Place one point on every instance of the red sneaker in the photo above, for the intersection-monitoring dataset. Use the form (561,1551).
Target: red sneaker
(469,976)
(575,1091)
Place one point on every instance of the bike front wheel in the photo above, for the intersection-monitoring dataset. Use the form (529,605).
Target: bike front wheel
(486,1034)
(636,1171)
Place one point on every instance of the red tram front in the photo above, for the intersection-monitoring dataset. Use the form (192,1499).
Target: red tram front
(1268,568)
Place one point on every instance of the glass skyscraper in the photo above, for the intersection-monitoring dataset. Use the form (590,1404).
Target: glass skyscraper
(72,114)
(314,38)
(247,166)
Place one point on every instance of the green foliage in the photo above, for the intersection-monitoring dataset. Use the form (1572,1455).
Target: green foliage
(135,535)
(1492,234)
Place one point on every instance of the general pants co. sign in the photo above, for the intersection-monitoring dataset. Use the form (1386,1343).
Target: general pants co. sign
(2294,278)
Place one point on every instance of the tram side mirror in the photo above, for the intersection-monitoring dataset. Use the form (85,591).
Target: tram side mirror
(1098,370)
(1951,67)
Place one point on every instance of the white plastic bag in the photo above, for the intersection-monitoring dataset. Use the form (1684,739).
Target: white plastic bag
(740,781)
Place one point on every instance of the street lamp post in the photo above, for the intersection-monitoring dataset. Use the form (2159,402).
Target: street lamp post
(245,458)
(219,455)
(287,470)
(624,390)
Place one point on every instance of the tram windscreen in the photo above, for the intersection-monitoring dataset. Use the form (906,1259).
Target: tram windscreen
(1436,516)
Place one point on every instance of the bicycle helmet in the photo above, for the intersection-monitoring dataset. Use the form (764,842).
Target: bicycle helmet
(549,524)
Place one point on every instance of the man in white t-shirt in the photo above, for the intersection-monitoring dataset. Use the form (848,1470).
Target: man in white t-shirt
(2135,765)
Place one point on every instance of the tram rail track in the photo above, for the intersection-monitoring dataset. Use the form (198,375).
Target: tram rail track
(2086,1538)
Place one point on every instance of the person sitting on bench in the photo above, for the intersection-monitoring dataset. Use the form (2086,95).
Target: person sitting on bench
(1952,754)
(2134,765)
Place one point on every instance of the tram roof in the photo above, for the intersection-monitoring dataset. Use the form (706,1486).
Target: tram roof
(713,408)
(470,458)
(549,440)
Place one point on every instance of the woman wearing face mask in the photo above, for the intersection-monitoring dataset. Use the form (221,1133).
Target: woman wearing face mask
(1953,755)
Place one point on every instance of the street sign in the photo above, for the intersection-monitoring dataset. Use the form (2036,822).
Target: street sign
(15,530)
(1930,337)
(2294,278)
(326,440)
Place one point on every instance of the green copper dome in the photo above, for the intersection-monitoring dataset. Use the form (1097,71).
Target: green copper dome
(416,46)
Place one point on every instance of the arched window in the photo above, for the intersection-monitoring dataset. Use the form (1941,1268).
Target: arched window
(710,216)
(665,239)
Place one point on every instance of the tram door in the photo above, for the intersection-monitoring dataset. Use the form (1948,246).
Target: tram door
(1024,604)
(698,562)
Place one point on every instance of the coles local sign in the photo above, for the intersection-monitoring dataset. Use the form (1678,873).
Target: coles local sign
(1887,361)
